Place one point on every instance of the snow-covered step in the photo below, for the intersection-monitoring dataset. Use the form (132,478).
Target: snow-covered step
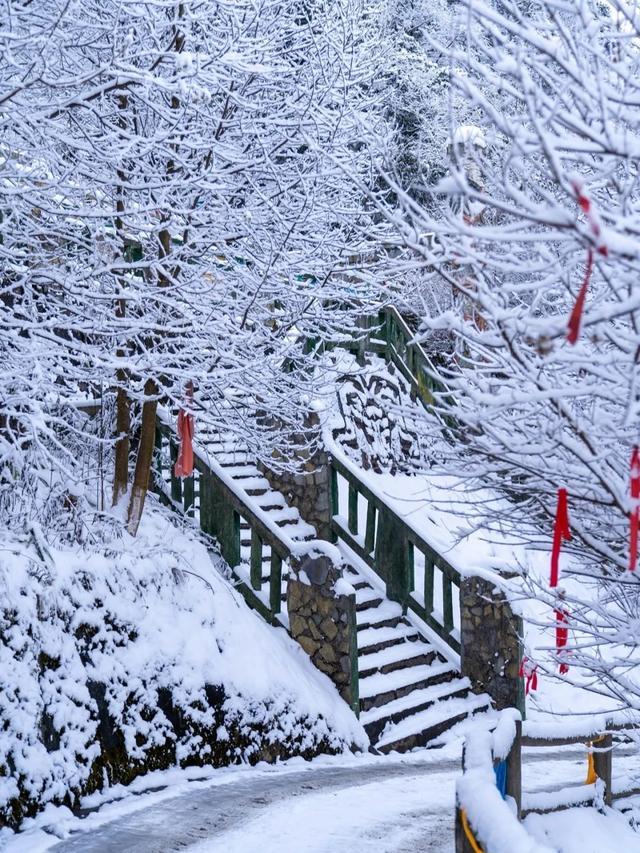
(378,689)
(367,598)
(372,640)
(418,729)
(396,657)
(376,719)
(242,472)
(387,613)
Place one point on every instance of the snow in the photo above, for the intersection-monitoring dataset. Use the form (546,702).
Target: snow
(584,830)
(139,616)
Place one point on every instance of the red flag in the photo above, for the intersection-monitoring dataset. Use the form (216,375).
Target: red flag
(635,509)
(560,531)
(184,463)
(562,636)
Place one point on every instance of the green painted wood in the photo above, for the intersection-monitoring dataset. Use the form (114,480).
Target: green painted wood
(353,510)
(233,557)
(390,556)
(428,584)
(341,532)
(370,533)
(447,604)
(176,482)
(256,560)
(275,584)
(435,626)
(188,493)
(409,565)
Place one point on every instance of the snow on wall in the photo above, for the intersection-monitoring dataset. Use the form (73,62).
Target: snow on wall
(148,636)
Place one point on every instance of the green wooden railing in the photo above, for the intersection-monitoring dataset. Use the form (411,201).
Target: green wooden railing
(415,575)
(215,502)
(389,335)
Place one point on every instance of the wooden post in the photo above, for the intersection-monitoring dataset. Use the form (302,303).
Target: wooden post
(353,510)
(602,763)
(514,769)
(176,482)
(370,533)
(256,560)
(189,495)
(275,583)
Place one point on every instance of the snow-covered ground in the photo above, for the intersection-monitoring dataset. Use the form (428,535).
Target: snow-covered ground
(154,623)
(390,804)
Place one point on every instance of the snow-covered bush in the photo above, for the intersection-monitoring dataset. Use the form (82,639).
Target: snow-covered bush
(121,656)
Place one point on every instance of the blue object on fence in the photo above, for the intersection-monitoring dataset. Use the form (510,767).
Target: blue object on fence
(500,769)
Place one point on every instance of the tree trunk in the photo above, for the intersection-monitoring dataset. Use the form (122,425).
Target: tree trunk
(144,458)
(123,426)
(123,401)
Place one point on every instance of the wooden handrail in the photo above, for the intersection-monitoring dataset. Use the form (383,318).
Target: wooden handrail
(388,549)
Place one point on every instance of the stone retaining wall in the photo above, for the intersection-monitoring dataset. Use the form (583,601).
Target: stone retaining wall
(491,645)
(322,618)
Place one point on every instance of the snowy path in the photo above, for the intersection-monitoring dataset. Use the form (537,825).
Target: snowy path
(387,805)
(395,806)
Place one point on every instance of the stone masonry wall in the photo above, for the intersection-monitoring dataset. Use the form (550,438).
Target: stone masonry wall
(322,618)
(308,491)
(491,647)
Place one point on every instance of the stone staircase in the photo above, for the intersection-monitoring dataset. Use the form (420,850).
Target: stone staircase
(410,691)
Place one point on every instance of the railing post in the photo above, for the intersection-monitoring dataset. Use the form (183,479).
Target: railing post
(602,764)
(370,533)
(353,510)
(188,490)
(275,583)
(256,560)
(176,482)
(514,769)
(391,557)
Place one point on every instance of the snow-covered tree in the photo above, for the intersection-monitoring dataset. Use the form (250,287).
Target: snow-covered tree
(170,214)
(537,239)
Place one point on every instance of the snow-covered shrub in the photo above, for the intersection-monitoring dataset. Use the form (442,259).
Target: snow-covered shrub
(120,656)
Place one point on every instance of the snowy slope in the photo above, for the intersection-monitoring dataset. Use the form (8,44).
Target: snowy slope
(125,655)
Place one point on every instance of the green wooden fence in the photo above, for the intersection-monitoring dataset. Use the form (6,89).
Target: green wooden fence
(211,498)
(415,575)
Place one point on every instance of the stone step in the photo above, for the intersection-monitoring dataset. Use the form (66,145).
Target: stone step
(368,602)
(389,613)
(382,688)
(371,640)
(420,728)
(396,657)
(377,719)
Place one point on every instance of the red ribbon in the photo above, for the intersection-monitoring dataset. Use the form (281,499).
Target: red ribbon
(561,531)
(562,636)
(584,202)
(573,326)
(184,463)
(635,509)
(529,671)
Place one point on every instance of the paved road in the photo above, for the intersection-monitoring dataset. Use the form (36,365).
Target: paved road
(393,806)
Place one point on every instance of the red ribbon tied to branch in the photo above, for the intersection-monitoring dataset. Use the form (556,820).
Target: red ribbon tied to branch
(584,202)
(561,531)
(562,636)
(184,463)
(634,515)
(529,671)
